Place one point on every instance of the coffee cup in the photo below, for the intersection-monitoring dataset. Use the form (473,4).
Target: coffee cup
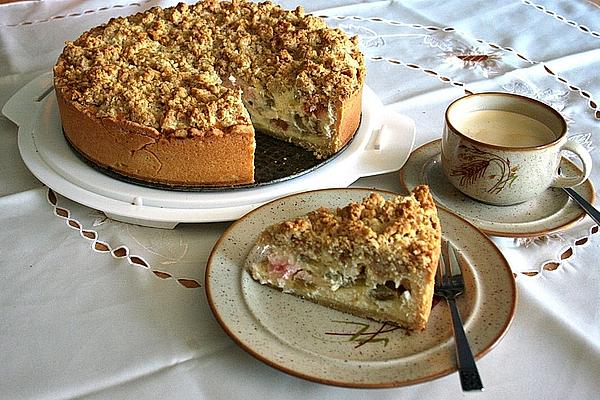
(505,149)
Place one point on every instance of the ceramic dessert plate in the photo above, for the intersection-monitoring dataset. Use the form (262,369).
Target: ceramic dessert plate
(327,346)
(550,212)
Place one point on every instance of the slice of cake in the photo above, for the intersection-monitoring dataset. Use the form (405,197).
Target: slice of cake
(374,259)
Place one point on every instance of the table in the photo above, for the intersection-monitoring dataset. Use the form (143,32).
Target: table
(95,308)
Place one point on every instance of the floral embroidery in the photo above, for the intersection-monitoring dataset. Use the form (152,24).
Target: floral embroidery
(557,99)
(475,163)
(538,240)
(584,139)
(368,37)
(461,54)
(177,252)
(99,218)
(167,245)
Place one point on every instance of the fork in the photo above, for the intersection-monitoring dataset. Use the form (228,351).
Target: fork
(449,284)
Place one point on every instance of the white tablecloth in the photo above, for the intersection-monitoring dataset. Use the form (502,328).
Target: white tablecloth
(95,308)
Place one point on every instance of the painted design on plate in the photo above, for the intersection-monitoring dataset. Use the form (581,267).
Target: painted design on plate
(475,164)
(364,334)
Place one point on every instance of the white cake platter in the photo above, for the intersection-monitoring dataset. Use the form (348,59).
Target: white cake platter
(382,144)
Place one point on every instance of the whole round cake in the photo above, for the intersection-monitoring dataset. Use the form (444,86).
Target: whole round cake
(173,96)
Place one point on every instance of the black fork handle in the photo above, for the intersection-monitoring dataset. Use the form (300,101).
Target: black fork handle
(467,369)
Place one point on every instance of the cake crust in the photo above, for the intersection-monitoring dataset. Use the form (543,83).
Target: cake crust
(348,120)
(216,159)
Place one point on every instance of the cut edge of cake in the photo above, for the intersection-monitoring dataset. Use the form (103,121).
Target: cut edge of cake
(375,259)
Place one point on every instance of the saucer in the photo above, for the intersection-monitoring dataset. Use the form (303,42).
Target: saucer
(550,212)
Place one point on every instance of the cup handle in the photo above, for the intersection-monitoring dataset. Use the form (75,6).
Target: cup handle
(586,161)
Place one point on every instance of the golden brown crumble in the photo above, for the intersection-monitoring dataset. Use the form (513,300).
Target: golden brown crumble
(169,69)
(392,237)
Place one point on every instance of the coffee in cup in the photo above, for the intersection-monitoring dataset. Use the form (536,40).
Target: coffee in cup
(504,149)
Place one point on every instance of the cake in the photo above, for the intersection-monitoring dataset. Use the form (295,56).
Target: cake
(375,259)
(174,96)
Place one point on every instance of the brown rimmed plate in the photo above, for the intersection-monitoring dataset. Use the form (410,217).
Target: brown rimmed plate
(323,345)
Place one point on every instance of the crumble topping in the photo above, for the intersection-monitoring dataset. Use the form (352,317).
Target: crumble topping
(171,69)
(389,238)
